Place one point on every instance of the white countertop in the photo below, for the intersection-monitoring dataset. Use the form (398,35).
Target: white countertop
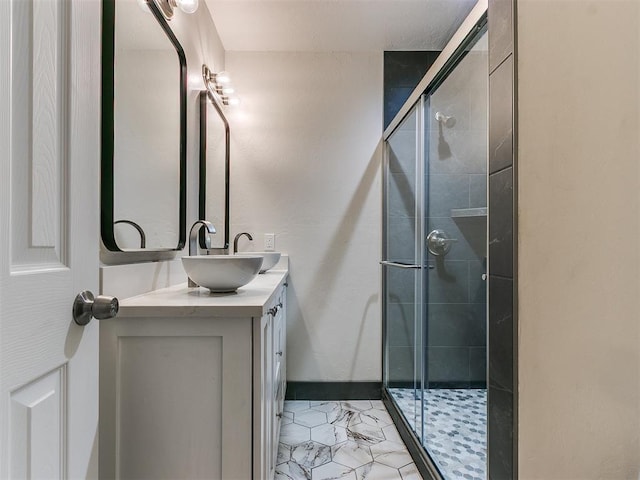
(252,300)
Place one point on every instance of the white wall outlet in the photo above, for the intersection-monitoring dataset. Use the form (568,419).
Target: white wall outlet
(269,242)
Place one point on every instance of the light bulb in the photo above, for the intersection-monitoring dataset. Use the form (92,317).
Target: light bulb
(188,6)
(225,90)
(233,101)
(222,78)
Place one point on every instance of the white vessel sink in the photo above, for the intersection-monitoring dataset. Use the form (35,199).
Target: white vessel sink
(222,273)
(270,259)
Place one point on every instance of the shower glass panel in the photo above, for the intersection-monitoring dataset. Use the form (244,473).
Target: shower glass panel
(402,266)
(456,218)
(435,311)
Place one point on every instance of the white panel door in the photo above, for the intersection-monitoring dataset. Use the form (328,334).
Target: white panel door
(49,183)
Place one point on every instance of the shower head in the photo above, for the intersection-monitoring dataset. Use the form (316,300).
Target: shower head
(445,120)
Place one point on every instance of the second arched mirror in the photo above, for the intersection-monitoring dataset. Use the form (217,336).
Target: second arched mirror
(214,169)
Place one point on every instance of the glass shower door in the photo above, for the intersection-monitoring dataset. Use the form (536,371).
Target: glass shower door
(402,268)
(455,130)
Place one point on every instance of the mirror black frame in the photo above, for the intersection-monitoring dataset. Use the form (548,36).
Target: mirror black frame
(107,131)
(205,96)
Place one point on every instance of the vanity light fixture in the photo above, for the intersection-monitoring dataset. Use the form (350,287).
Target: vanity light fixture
(225,90)
(219,86)
(167,6)
(231,101)
(187,6)
(221,78)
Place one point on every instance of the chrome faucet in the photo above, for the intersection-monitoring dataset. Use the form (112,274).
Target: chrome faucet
(237,237)
(193,240)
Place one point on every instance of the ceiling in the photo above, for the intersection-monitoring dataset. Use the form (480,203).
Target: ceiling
(337,25)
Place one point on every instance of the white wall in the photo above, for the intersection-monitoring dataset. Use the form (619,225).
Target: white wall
(579,239)
(306,155)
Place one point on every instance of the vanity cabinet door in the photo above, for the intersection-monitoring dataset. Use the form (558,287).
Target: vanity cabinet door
(279,361)
(283,346)
(263,468)
(269,385)
(175,398)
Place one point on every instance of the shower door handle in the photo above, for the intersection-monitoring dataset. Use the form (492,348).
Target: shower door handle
(399,265)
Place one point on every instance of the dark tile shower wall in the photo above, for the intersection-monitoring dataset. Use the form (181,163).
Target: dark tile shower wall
(402,73)
(457,179)
(502,388)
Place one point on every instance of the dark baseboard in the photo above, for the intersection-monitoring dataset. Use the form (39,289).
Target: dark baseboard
(333,391)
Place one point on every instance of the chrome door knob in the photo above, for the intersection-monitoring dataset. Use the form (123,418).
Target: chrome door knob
(86,307)
(439,243)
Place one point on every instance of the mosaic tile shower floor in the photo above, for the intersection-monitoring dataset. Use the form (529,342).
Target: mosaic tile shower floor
(348,440)
(455,428)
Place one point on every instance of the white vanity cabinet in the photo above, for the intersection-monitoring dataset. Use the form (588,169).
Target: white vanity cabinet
(269,387)
(192,384)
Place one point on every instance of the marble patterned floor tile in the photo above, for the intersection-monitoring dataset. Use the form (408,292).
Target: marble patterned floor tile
(332,409)
(329,434)
(391,433)
(311,454)
(293,434)
(296,405)
(376,418)
(287,418)
(292,471)
(284,453)
(329,451)
(310,418)
(410,472)
(391,454)
(324,406)
(377,471)
(351,454)
(366,434)
(343,418)
(333,471)
(357,405)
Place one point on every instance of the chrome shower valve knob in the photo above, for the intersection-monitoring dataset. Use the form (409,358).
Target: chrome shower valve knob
(439,243)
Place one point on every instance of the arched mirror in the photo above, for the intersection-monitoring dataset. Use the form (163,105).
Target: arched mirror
(214,169)
(144,79)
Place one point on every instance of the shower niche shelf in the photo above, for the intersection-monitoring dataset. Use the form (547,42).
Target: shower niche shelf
(469,212)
